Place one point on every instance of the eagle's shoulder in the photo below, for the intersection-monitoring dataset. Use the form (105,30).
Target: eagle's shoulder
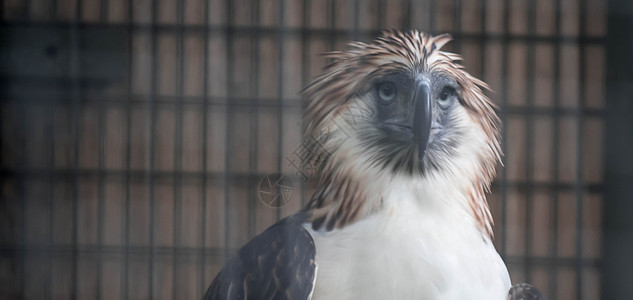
(279,263)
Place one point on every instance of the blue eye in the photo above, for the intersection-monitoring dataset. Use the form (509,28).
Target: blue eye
(387,92)
(446,97)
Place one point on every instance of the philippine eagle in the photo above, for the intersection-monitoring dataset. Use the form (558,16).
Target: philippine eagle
(409,145)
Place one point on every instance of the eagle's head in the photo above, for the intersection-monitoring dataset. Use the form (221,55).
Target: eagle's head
(400,107)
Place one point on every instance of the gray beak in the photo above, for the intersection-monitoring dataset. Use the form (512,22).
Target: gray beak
(422,115)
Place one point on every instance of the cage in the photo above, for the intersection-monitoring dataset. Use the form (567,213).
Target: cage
(135,134)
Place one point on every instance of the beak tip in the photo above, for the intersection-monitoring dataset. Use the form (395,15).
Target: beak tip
(421,154)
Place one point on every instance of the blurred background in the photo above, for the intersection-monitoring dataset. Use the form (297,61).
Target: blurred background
(135,133)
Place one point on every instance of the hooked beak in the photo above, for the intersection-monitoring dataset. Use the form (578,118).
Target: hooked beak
(422,116)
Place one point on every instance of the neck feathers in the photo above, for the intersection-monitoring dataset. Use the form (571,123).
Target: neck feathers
(351,190)
(346,192)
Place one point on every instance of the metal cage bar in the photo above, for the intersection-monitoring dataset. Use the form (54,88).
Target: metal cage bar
(152,152)
(76,99)
(618,228)
(205,116)
(579,186)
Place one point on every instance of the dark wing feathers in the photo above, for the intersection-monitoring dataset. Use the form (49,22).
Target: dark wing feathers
(280,263)
(524,291)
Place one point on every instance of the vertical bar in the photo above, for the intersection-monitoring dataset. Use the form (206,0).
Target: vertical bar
(100,196)
(23,187)
(381,15)
(76,107)
(104,11)
(552,268)
(580,185)
(52,12)
(27,10)
(178,139)
(332,24)
(406,20)
(229,121)
(306,37)
(51,203)
(433,12)
(482,42)
(13,240)
(504,131)
(280,90)
(457,23)
(529,165)
(152,146)
(128,150)
(205,119)
(254,120)
(51,197)
(355,20)
(618,226)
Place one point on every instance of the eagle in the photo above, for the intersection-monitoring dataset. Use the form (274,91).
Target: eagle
(408,146)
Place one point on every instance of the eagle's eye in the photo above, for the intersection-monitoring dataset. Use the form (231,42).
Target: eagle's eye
(387,92)
(446,97)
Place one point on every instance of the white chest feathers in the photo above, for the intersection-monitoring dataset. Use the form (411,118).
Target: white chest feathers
(407,251)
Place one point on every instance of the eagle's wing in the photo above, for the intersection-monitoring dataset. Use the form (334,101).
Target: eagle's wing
(279,263)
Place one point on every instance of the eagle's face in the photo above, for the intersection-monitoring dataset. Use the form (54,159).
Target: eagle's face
(407,107)
(417,120)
